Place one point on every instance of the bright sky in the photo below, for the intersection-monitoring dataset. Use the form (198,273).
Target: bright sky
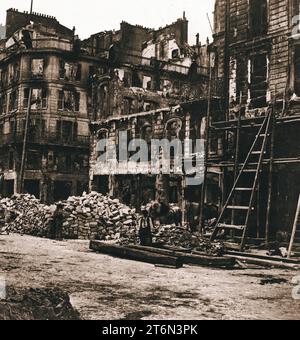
(92,16)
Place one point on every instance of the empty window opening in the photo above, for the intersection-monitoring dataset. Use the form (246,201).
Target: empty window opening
(34,160)
(66,131)
(37,68)
(258,17)
(39,99)
(69,101)
(13,101)
(147,83)
(3,103)
(70,71)
(259,81)
(175,54)
(297,70)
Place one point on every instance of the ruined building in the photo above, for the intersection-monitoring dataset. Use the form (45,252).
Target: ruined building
(258,58)
(140,91)
(2,31)
(41,59)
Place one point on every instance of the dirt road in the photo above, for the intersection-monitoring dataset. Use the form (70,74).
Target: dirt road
(102,287)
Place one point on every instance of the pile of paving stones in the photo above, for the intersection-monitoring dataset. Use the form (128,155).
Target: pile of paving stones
(94,216)
(91,216)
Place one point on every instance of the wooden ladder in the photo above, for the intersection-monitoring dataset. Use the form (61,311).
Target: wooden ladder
(295,238)
(253,171)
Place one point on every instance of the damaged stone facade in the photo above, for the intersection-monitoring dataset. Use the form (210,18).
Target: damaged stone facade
(257,54)
(138,189)
(144,69)
(113,74)
(40,54)
(149,74)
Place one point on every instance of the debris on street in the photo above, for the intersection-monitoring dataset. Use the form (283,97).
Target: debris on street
(92,216)
(37,304)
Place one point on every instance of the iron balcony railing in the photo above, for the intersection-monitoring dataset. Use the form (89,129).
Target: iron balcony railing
(46,138)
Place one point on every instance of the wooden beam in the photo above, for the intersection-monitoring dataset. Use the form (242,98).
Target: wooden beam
(270,182)
(266,263)
(25,140)
(191,257)
(135,254)
(263,257)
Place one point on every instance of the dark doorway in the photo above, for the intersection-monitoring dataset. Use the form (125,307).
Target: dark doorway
(102,184)
(81,188)
(32,187)
(8,188)
(62,190)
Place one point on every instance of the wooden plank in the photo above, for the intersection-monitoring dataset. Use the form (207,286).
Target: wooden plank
(177,249)
(208,261)
(263,257)
(266,263)
(231,226)
(135,254)
(294,229)
(250,170)
(233,246)
(237,207)
(195,258)
(153,250)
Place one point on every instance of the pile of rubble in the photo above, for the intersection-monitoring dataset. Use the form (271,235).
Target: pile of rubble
(179,237)
(94,216)
(37,304)
(26,215)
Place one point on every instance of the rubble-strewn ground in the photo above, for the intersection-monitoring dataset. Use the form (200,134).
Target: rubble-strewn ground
(37,304)
(102,287)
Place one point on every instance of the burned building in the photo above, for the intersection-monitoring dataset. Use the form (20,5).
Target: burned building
(140,91)
(43,95)
(257,57)
(2,31)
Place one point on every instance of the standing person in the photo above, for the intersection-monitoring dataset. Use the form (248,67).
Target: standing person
(57,222)
(3,227)
(145,228)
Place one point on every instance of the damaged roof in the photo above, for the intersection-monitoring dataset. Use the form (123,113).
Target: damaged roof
(15,20)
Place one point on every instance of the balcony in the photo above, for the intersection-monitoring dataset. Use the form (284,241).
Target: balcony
(44,43)
(46,139)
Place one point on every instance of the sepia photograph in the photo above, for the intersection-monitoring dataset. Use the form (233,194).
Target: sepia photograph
(149,167)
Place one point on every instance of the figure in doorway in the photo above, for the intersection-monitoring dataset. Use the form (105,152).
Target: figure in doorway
(57,222)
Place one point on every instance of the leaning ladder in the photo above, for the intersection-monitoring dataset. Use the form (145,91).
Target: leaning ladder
(295,232)
(258,149)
